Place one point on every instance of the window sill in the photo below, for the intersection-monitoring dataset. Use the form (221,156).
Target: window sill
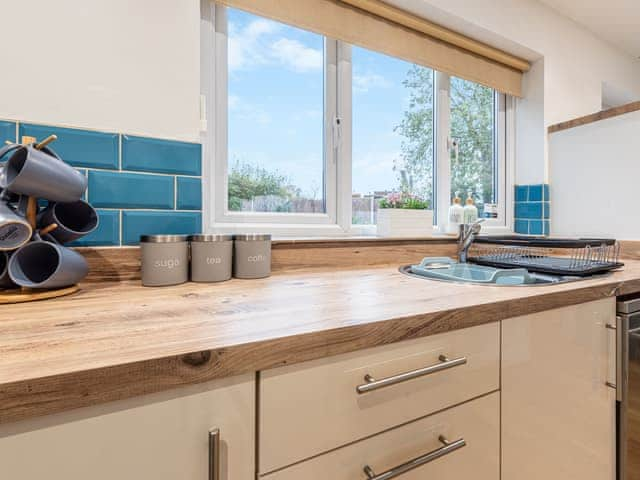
(313,234)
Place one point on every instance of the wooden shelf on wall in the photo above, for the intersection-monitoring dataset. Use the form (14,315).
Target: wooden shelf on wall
(595,117)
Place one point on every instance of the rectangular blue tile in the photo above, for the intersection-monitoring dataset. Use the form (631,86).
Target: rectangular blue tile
(545,192)
(7,132)
(535,227)
(130,190)
(135,224)
(81,148)
(528,210)
(522,193)
(521,226)
(546,210)
(189,193)
(106,235)
(546,227)
(535,193)
(160,156)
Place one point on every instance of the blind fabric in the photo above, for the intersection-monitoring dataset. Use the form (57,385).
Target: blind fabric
(394,32)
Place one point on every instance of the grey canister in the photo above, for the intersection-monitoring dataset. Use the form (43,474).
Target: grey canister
(211,257)
(165,260)
(252,256)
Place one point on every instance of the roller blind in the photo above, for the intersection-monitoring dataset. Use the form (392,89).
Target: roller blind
(381,27)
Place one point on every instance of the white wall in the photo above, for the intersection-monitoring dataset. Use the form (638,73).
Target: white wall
(576,62)
(594,179)
(123,65)
(134,66)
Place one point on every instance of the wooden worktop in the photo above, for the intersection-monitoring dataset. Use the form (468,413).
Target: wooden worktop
(117,340)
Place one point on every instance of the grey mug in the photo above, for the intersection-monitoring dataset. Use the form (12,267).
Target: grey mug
(42,174)
(5,280)
(15,231)
(41,264)
(74,220)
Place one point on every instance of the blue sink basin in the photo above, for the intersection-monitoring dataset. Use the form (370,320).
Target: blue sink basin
(444,268)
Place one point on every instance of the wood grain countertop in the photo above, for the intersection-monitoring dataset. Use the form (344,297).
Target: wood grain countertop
(116,340)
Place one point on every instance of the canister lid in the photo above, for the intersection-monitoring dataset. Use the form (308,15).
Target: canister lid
(163,238)
(210,237)
(253,237)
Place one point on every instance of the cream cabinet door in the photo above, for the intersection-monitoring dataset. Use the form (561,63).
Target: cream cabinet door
(162,436)
(558,415)
(414,452)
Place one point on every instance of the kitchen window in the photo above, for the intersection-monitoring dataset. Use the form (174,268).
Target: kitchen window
(309,133)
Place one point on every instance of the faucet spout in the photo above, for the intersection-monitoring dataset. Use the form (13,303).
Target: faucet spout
(468,233)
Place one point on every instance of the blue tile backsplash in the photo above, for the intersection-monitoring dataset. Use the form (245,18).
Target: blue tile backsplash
(189,195)
(130,190)
(532,209)
(80,148)
(139,185)
(161,156)
(7,131)
(135,224)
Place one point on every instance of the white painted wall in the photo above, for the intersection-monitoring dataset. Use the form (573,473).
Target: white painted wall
(134,66)
(594,174)
(121,65)
(576,63)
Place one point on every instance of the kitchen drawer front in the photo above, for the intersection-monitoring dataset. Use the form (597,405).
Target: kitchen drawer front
(476,422)
(313,407)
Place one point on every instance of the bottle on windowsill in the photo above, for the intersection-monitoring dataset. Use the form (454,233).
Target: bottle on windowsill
(456,215)
(470,213)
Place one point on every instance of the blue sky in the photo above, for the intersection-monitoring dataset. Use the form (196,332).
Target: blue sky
(276,104)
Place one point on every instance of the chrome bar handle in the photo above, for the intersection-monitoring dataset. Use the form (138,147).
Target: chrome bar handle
(446,449)
(618,331)
(373,384)
(214,454)
(622,327)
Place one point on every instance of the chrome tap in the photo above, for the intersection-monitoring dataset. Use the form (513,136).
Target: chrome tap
(468,234)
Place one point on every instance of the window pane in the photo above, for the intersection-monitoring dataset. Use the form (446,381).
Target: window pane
(473,127)
(276,110)
(392,131)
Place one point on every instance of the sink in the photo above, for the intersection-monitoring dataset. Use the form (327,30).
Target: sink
(448,270)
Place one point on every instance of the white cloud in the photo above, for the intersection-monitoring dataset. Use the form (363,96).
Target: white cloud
(362,83)
(297,56)
(247,46)
(243,110)
(260,43)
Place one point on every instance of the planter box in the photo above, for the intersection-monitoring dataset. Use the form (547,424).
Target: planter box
(399,222)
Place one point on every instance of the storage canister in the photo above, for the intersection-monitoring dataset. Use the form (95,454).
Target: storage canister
(211,257)
(165,260)
(252,256)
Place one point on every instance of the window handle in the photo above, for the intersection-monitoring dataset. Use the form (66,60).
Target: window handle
(337,133)
(453,145)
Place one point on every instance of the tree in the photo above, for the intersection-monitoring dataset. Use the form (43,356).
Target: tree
(471,126)
(248,181)
(415,165)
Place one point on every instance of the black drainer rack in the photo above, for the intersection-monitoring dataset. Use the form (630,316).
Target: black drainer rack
(547,255)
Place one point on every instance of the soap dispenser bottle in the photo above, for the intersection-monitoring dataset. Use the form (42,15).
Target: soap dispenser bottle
(470,210)
(456,215)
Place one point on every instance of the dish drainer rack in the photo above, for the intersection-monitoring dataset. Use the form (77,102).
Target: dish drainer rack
(580,258)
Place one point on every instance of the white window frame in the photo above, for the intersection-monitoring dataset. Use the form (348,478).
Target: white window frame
(503,120)
(338,145)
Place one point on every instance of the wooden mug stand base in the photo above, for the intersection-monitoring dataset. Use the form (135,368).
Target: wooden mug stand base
(21,295)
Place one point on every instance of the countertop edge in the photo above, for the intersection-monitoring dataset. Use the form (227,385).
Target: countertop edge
(35,397)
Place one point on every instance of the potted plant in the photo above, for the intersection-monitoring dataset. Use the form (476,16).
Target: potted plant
(404,215)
